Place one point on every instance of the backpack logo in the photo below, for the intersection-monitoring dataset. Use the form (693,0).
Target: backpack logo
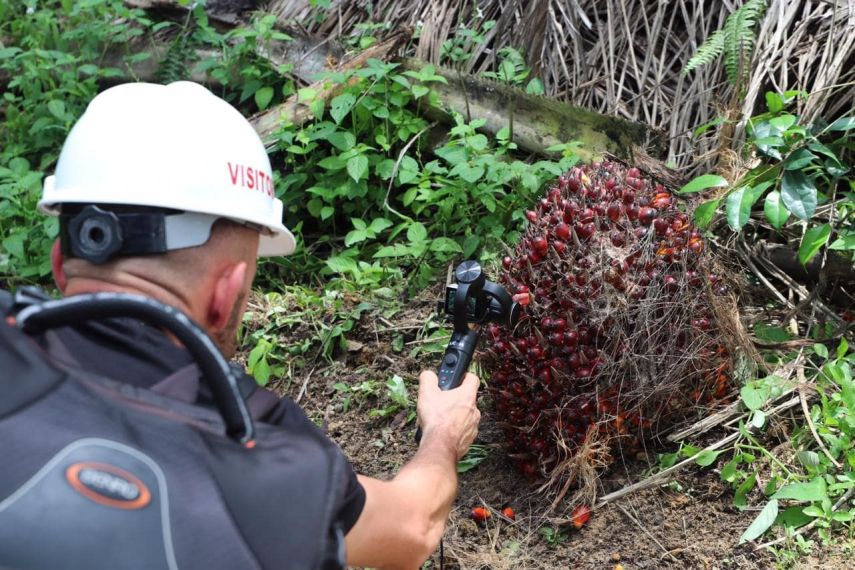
(108,485)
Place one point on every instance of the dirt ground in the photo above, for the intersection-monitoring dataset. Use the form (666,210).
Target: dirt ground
(689,523)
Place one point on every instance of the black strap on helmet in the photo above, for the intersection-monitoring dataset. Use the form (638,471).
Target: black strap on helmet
(98,235)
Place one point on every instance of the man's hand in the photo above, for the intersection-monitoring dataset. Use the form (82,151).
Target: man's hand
(403,519)
(451,417)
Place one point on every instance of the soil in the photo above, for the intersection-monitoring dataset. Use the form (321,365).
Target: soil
(689,523)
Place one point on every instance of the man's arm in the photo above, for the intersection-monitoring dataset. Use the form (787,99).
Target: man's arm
(403,519)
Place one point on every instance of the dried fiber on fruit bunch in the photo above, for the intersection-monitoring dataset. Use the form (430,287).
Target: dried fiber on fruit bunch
(621,334)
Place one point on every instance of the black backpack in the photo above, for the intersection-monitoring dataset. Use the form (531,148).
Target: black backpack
(95,473)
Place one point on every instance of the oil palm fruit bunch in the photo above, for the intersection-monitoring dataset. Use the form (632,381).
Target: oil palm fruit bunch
(619,337)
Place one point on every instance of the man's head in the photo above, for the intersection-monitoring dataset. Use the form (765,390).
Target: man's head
(166,191)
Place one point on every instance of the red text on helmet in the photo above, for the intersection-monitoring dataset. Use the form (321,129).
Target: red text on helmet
(250,178)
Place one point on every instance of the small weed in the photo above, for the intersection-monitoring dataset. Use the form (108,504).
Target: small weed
(553,536)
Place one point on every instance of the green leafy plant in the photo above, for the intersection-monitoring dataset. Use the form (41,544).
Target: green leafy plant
(52,54)
(735,41)
(553,535)
(475,455)
(396,390)
(798,169)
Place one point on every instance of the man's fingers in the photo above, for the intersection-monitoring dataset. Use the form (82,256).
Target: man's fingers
(470,382)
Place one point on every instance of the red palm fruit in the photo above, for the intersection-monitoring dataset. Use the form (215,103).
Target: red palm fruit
(580,516)
(480,514)
(614,211)
(562,231)
(646,215)
(509,513)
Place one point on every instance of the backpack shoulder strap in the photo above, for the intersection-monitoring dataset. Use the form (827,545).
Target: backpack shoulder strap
(183,385)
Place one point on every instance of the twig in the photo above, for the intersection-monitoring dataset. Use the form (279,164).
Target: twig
(647,532)
(305,384)
(401,156)
(800,372)
(664,475)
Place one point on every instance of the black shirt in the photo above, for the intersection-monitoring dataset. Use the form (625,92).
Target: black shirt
(135,353)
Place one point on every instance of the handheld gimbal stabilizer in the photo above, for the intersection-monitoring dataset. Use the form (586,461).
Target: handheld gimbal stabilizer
(474,300)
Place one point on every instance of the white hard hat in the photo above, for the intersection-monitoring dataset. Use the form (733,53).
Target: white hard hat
(176,147)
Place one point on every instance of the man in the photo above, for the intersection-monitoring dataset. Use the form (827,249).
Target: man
(167,192)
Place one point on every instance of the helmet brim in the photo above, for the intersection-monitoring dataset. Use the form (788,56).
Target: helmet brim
(282,242)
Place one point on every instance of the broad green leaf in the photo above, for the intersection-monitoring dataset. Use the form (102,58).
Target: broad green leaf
(843,243)
(445,245)
(263,96)
(783,122)
(776,213)
(535,87)
(744,488)
(812,242)
(355,237)
(821,350)
(57,109)
(835,169)
(808,458)
(799,194)
(771,333)
(380,224)
(385,168)
(332,163)
(754,395)
(408,171)
(420,91)
(793,517)
(842,124)
(341,264)
(306,94)
(774,102)
(416,232)
(706,457)
(341,106)
(468,173)
(357,166)
(397,250)
(758,419)
(842,348)
(814,490)
(762,523)
(705,212)
(342,140)
(728,472)
(738,206)
(799,159)
(820,148)
(703,182)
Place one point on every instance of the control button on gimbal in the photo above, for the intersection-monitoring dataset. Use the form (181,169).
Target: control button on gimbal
(450,359)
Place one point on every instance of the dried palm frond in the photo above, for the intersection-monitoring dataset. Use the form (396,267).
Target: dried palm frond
(625,57)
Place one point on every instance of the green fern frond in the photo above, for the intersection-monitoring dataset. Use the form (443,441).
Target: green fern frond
(740,37)
(735,40)
(712,47)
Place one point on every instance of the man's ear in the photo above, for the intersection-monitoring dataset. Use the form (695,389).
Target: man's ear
(56,262)
(227,290)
